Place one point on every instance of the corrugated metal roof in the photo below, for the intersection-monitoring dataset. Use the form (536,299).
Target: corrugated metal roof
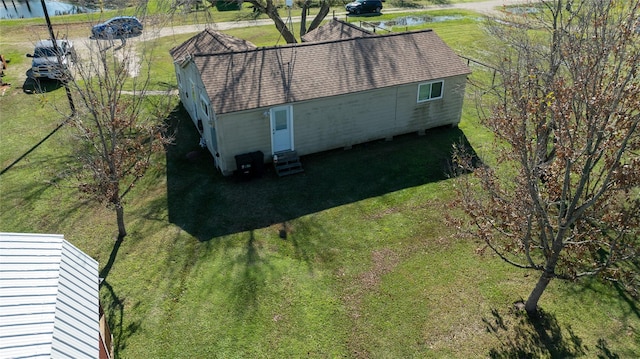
(263,77)
(48,298)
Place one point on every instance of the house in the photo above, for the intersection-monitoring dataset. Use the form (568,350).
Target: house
(315,96)
(49,303)
(335,29)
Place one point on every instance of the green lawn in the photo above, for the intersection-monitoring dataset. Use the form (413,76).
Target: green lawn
(368,268)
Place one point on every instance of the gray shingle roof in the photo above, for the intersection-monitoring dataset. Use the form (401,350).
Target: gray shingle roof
(209,41)
(335,30)
(265,77)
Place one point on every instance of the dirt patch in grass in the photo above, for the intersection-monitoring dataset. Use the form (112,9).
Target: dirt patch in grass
(383,261)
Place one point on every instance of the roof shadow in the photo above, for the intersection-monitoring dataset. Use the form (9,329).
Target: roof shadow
(208,205)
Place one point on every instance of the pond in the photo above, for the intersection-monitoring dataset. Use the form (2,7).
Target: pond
(523,10)
(413,20)
(19,9)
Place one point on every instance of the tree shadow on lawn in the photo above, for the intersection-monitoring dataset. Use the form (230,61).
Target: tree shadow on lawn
(114,305)
(41,188)
(246,289)
(620,299)
(628,305)
(207,205)
(522,337)
(114,312)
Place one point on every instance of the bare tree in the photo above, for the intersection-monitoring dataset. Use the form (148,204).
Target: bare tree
(563,194)
(119,125)
(271,9)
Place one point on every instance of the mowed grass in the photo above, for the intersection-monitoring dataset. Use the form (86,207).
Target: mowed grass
(353,258)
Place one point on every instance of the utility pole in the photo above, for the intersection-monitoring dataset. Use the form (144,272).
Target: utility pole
(58,53)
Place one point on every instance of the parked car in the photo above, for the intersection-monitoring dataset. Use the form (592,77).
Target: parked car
(364,6)
(120,27)
(47,63)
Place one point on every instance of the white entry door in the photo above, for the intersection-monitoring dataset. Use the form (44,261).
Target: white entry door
(281,129)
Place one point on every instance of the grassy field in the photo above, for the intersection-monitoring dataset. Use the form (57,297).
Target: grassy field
(353,258)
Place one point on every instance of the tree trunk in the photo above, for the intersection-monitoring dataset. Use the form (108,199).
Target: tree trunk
(531,305)
(303,18)
(122,232)
(322,13)
(286,33)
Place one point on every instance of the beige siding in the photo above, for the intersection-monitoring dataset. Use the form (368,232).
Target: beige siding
(191,100)
(415,116)
(242,132)
(188,76)
(356,118)
(341,121)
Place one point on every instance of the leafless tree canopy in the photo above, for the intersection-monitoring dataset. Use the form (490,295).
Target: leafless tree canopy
(563,194)
(119,124)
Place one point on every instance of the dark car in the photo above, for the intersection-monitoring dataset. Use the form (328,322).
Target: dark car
(121,27)
(52,61)
(364,6)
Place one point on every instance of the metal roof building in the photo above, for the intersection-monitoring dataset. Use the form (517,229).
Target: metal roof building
(48,298)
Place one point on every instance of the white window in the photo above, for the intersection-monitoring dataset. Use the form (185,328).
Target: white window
(430,91)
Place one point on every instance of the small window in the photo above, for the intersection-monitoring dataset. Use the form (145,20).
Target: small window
(430,91)
(204,105)
(281,120)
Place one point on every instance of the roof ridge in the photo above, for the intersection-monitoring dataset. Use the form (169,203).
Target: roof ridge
(217,35)
(314,43)
(352,26)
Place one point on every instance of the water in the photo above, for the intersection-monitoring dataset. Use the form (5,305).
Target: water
(414,20)
(18,9)
(520,10)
